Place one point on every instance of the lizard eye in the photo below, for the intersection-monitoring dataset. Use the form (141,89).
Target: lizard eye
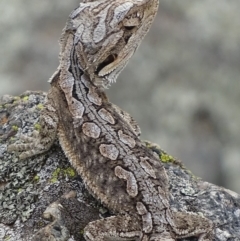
(132,21)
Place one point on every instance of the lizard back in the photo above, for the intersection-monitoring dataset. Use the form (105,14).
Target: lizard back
(115,165)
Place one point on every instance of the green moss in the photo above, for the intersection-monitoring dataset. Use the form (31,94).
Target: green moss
(55,175)
(25,98)
(36,178)
(6,238)
(82,231)
(37,127)
(15,128)
(68,172)
(16,99)
(40,106)
(147,144)
(166,158)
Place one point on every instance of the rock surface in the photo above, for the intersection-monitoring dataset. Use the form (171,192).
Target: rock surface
(43,198)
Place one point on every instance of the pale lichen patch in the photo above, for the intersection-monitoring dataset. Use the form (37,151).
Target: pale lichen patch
(25,98)
(37,127)
(66,172)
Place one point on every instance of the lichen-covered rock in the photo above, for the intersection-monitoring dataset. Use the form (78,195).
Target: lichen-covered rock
(28,187)
(43,198)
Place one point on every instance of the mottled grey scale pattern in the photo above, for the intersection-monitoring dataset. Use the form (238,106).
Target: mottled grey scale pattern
(146,217)
(91,129)
(106,115)
(94,98)
(129,119)
(109,151)
(100,140)
(147,222)
(126,139)
(148,168)
(132,187)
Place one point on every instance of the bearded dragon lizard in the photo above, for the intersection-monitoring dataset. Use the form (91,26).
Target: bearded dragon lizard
(102,142)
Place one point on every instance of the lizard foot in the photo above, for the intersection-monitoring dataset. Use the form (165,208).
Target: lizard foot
(28,146)
(38,141)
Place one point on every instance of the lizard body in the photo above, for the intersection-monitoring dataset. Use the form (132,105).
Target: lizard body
(100,141)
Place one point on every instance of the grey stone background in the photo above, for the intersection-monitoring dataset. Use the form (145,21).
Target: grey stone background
(182,85)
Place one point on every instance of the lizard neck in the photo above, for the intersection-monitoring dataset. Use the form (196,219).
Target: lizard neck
(76,82)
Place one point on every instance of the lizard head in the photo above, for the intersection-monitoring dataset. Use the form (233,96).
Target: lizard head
(107,33)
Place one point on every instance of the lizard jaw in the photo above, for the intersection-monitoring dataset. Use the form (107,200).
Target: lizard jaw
(109,69)
(107,66)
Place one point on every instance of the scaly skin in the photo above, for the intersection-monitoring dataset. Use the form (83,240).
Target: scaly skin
(99,140)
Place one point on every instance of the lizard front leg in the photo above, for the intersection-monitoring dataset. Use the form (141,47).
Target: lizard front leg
(39,141)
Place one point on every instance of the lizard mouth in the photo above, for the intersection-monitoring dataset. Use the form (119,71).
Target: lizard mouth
(106,66)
